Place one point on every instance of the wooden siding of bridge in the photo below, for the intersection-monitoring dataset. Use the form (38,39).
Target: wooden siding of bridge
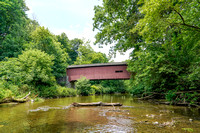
(98,73)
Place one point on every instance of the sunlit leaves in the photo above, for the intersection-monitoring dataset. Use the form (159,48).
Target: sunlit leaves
(33,67)
(43,40)
(162,16)
(113,22)
(165,35)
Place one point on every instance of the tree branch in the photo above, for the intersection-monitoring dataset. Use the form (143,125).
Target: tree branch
(191,26)
(184,24)
(179,15)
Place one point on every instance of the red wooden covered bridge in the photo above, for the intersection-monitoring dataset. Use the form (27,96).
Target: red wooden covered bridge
(102,71)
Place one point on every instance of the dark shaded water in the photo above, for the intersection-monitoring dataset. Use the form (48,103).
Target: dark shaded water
(54,115)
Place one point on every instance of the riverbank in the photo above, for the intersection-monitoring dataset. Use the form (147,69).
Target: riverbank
(164,101)
(154,101)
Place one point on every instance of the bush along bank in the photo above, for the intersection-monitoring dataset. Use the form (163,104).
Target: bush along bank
(86,87)
(24,93)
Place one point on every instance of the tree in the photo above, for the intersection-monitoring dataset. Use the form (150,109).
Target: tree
(12,27)
(32,67)
(70,46)
(166,43)
(75,43)
(113,22)
(43,40)
(84,87)
(65,43)
(163,17)
(88,56)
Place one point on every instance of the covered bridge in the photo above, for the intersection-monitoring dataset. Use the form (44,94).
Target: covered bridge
(101,71)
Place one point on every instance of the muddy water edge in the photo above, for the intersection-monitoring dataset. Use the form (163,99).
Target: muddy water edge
(55,115)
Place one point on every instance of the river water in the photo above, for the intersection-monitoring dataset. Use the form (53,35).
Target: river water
(56,116)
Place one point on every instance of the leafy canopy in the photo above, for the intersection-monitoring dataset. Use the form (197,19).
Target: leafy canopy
(13,27)
(33,67)
(165,36)
(88,56)
(43,40)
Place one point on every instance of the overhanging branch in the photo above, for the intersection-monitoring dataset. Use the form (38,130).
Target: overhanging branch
(184,24)
(179,15)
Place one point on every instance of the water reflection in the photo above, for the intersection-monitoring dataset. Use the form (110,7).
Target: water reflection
(55,115)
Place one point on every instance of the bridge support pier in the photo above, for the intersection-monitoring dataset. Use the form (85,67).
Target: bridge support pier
(70,84)
(73,85)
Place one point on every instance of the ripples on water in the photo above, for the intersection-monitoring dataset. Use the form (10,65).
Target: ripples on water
(55,115)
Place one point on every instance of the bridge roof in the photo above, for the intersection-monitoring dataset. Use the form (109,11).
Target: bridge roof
(98,65)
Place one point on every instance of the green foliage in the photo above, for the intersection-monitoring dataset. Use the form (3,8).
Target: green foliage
(75,43)
(114,86)
(114,20)
(83,87)
(188,129)
(109,86)
(48,91)
(33,67)
(5,93)
(97,89)
(56,91)
(39,56)
(66,92)
(7,90)
(171,95)
(10,17)
(43,40)
(165,36)
(88,56)
(13,28)
(37,99)
(165,17)
(70,46)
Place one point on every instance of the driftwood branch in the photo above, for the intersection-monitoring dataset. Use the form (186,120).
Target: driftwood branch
(11,99)
(26,95)
(96,104)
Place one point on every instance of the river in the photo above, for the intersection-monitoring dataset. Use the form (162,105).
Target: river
(55,116)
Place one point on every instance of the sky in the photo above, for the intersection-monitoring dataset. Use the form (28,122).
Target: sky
(74,17)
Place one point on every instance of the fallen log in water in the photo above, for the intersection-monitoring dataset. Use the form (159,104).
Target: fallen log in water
(11,99)
(96,104)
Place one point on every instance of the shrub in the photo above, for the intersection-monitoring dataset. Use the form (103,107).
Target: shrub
(108,90)
(5,93)
(38,99)
(46,91)
(65,92)
(84,87)
(7,90)
(56,91)
(97,89)
(111,86)
(33,67)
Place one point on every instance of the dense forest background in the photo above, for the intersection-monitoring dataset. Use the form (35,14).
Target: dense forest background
(164,36)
